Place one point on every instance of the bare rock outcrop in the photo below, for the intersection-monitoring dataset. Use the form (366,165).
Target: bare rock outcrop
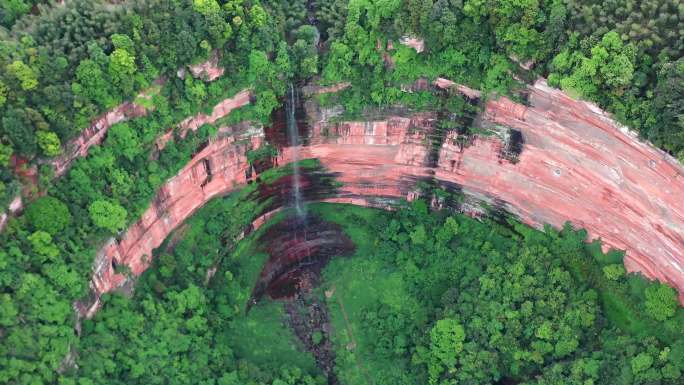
(208,70)
(575,164)
(467,91)
(578,164)
(95,134)
(414,42)
(192,123)
(14,208)
(217,169)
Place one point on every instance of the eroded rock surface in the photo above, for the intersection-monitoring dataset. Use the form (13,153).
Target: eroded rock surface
(15,207)
(414,42)
(95,134)
(218,168)
(575,164)
(579,165)
(208,70)
(192,123)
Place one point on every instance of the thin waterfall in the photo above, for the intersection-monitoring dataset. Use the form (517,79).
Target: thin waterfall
(293,133)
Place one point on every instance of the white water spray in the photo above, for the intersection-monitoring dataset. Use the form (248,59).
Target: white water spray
(293,133)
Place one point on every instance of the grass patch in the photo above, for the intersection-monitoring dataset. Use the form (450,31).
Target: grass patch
(263,338)
(357,283)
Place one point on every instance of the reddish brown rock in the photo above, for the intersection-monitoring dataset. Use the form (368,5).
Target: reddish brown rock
(576,164)
(392,131)
(94,134)
(416,43)
(217,169)
(208,70)
(221,110)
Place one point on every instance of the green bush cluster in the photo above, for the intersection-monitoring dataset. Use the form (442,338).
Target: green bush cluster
(433,298)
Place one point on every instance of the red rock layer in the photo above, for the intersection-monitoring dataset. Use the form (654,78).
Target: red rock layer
(95,134)
(208,70)
(218,168)
(576,164)
(579,165)
(192,123)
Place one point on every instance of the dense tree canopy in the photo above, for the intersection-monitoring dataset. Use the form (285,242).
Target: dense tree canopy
(465,302)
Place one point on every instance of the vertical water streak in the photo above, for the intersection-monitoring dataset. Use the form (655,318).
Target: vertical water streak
(293,133)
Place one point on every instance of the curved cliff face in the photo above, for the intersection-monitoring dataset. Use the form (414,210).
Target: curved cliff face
(94,134)
(575,164)
(218,168)
(579,165)
(222,109)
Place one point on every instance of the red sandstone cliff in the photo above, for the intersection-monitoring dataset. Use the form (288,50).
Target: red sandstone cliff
(192,123)
(96,132)
(576,164)
(219,168)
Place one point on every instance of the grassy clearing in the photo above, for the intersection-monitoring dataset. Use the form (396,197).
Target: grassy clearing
(357,282)
(262,337)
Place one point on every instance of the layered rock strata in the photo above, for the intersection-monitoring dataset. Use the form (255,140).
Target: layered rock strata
(96,132)
(575,164)
(218,168)
(222,109)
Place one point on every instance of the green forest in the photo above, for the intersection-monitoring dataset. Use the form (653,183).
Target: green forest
(427,298)
(430,297)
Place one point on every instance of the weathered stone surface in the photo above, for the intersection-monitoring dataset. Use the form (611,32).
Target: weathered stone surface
(416,43)
(312,89)
(221,110)
(95,134)
(392,131)
(217,169)
(579,165)
(16,205)
(467,91)
(14,208)
(208,70)
(576,164)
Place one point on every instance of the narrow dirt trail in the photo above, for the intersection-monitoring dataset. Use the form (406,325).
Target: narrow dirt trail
(350,332)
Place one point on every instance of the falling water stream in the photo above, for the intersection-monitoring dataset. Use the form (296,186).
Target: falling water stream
(299,247)
(293,133)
